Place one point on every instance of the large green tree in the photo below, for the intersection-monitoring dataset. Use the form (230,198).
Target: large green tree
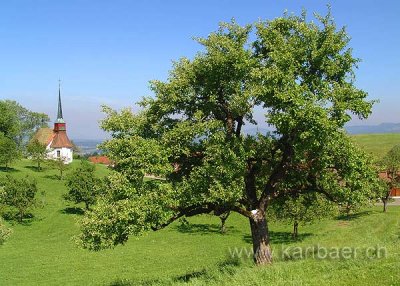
(299,74)
(19,123)
(8,150)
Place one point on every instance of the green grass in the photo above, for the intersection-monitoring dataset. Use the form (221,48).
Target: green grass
(41,251)
(377,144)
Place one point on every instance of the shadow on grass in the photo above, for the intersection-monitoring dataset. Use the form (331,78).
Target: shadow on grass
(354,216)
(203,229)
(34,168)
(9,170)
(228,266)
(281,237)
(27,219)
(52,177)
(73,210)
(123,282)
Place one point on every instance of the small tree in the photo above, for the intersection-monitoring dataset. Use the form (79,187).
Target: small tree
(391,164)
(19,195)
(8,150)
(82,185)
(301,209)
(4,231)
(60,165)
(37,151)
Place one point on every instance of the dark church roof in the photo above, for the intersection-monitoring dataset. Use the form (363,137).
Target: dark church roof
(58,139)
(61,140)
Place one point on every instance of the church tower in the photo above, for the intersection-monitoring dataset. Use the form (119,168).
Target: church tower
(61,146)
(56,140)
(59,125)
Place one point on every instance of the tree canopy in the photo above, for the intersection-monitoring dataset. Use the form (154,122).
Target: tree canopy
(8,150)
(19,123)
(300,74)
(37,151)
(82,185)
(18,195)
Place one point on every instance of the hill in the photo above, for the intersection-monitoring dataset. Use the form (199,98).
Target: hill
(41,251)
(377,144)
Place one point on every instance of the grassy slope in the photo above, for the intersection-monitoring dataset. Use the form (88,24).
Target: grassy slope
(42,252)
(377,144)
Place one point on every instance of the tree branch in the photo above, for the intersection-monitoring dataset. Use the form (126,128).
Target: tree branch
(188,212)
(242,211)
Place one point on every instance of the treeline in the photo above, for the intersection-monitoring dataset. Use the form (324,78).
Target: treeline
(17,126)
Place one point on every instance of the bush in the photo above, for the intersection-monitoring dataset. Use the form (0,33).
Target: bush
(19,196)
(4,232)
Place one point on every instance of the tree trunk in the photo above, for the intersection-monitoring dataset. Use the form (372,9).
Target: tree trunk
(348,210)
(295,229)
(223,217)
(87,206)
(259,232)
(385,201)
(20,216)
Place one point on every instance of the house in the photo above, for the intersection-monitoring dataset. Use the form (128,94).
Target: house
(395,191)
(101,160)
(56,140)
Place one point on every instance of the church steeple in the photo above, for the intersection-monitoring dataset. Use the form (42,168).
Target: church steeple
(59,125)
(59,112)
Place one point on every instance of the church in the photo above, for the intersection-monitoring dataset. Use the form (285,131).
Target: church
(56,140)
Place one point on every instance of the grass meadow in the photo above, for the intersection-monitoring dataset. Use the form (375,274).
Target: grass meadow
(377,144)
(41,250)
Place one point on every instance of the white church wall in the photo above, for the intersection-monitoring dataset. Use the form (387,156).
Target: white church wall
(65,153)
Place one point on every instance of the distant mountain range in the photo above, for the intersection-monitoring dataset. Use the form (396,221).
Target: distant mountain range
(356,129)
(87,146)
(90,146)
(369,129)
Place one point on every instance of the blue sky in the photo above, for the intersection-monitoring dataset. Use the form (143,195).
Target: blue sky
(105,52)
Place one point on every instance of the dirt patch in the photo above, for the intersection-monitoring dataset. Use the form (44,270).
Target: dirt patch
(343,223)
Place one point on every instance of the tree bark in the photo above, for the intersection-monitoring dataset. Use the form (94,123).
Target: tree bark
(384,205)
(295,229)
(20,216)
(259,232)
(223,217)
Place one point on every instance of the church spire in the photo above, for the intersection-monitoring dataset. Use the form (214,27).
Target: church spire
(59,112)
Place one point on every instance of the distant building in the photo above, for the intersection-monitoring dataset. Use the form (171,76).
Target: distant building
(56,140)
(101,160)
(395,191)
